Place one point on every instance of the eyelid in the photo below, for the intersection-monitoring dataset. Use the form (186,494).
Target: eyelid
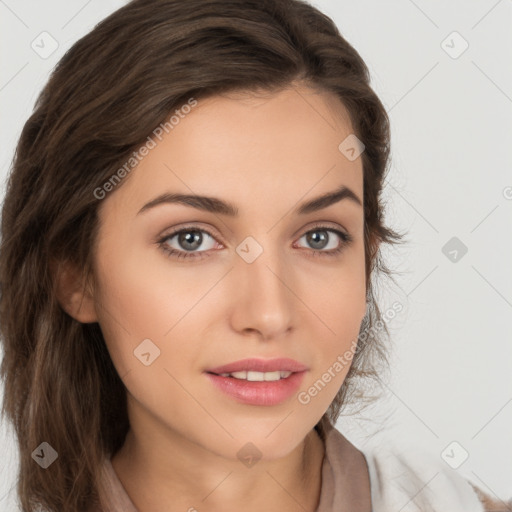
(188,227)
(345,237)
(323,225)
(196,226)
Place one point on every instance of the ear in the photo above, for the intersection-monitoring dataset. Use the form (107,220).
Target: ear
(74,294)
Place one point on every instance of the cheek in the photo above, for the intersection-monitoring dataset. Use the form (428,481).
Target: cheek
(146,332)
(340,296)
(143,298)
(134,305)
(333,359)
(340,305)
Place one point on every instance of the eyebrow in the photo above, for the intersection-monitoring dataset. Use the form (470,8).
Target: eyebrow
(216,205)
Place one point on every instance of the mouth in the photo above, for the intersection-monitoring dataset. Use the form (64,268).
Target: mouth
(254,376)
(258,388)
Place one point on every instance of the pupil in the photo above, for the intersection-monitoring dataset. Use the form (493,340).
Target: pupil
(191,237)
(315,240)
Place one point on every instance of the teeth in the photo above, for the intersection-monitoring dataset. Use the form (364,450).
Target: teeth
(258,376)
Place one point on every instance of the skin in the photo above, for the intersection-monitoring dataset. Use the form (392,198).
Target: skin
(266,155)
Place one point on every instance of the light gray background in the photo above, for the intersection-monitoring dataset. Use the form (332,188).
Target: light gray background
(450,177)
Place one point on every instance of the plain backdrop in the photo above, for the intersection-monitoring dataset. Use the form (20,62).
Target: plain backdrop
(442,69)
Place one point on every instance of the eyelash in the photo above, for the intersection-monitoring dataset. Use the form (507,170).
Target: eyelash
(346,239)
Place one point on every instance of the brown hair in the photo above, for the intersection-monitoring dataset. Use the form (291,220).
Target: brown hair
(107,93)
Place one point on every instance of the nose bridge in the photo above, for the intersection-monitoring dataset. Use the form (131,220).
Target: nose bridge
(264,299)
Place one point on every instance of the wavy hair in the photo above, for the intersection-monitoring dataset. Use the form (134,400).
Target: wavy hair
(107,93)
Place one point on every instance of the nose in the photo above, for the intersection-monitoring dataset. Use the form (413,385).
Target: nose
(263,300)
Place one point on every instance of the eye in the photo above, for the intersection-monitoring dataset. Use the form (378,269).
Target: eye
(189,239)
(318,238)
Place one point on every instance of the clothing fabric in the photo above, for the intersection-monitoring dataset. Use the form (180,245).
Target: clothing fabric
(411,484)
(398,483)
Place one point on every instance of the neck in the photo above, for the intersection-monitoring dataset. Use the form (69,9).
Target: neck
(152,480)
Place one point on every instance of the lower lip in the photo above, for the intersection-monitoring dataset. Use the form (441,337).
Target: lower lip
(259,393)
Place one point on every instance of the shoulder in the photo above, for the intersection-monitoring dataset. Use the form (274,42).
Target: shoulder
(414,480)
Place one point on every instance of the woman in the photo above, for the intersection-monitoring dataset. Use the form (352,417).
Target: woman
(147,374)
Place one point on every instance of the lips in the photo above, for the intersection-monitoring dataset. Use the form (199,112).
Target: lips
(261,393)
(283,364)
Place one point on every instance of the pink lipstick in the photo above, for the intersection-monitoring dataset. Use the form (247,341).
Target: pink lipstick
(259,381)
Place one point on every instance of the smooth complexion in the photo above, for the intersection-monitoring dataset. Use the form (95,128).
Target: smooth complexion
(266,156)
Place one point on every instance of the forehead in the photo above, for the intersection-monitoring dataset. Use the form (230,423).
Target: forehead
(301,109)
(246,147)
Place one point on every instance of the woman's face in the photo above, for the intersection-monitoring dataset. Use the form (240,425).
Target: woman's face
(263,281)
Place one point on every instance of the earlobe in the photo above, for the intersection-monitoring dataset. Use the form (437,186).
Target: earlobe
(73,293)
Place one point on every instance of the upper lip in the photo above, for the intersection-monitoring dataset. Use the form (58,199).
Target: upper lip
(260,365)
